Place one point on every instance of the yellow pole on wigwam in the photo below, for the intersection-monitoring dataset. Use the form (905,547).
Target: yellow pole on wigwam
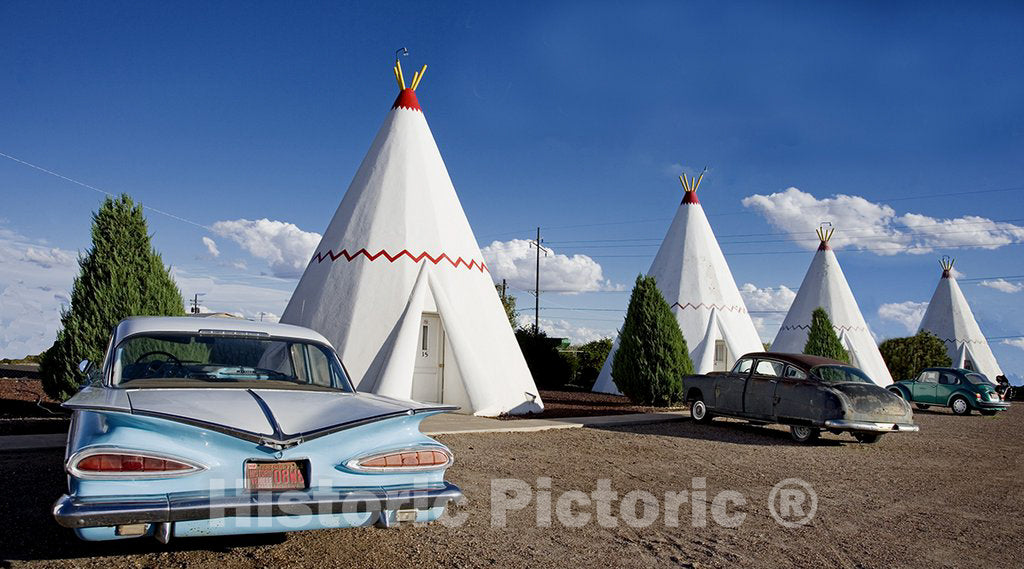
(398,74)
(417,77)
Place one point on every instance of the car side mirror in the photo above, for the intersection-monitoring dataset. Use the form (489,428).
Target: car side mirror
(84,365)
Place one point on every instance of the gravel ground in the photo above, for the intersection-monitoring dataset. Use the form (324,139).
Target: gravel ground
(947,496)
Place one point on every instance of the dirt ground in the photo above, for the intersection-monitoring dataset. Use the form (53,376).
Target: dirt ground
(949,496)
(25,409)
(582,404)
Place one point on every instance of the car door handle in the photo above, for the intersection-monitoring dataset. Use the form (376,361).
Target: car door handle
(774,381)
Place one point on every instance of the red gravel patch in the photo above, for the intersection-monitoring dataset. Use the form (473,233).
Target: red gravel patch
(584,404)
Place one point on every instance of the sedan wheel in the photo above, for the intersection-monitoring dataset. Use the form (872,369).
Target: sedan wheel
(699,411)
(960,406)
(803,434)
(867,438)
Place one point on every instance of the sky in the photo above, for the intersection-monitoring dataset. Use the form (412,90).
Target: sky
(240,125)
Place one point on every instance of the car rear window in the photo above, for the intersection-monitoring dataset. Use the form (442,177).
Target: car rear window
(840,374)
(224,360)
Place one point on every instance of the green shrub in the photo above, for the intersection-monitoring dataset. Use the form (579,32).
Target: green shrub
(549,367)
(120,276)
(590,358)
(906,357)
(822,340)
(652,357)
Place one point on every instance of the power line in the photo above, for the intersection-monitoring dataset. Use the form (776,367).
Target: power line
(104,192)
(875,200)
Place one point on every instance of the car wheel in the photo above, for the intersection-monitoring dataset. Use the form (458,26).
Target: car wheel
(802,434)
(922,406)
(699,411)
(868,438)
(960,406)
(988,412)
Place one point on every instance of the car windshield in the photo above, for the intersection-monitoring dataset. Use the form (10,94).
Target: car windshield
(209,359)
(978,379)
(840,374)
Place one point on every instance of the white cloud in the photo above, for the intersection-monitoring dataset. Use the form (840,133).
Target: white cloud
(768,298)
(286,248)
(35,283)
(877,227)
(768,307)
(1015,342)
(559,328)
(1003,285)
(515,261)
(908,314)
(47,258)
(246,296)
(211,247)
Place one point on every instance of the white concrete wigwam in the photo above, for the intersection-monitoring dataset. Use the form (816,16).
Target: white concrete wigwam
(950,318)
(695,280)
(399,286)
(825,286)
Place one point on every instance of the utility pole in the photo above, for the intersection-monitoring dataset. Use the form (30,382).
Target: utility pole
(536,290)
(194,301)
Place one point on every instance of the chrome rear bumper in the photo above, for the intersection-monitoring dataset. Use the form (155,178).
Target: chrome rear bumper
(844,425)
(993,405)
(76,512)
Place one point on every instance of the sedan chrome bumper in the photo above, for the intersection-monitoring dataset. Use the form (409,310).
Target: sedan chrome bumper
(79,512)
(844,425)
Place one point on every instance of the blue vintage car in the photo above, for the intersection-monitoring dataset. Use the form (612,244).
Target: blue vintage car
(199,426)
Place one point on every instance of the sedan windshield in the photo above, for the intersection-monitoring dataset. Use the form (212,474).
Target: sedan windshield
(214,360)
(978,379)
(840,374)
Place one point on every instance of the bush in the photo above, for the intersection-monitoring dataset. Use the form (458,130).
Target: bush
(549,367)
(652,357)
(120,276)
(822,340)
(590,358)
(906,357)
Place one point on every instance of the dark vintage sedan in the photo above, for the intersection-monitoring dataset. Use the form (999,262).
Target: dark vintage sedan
(959,389)
(808,393)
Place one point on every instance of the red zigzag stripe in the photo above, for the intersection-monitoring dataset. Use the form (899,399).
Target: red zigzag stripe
(709,306)
(472,264)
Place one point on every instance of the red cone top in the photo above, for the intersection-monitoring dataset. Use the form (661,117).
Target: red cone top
(407,100)
(824,246)
(945,273)
(690,197)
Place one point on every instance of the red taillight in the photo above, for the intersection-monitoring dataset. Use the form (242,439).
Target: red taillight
(409,459)
(113,463)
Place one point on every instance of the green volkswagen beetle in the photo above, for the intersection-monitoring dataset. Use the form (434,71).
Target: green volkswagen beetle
(962,390)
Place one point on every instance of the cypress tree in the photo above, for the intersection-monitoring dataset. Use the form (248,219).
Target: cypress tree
(120,276)
(652,357)
(822,340)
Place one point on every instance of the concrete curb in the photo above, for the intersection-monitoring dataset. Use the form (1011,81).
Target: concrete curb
(12,443)
(447,424)
(452,424)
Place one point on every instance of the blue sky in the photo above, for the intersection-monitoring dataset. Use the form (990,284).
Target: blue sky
(577,117)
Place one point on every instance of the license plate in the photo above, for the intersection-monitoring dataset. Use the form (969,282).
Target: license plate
(287,475)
